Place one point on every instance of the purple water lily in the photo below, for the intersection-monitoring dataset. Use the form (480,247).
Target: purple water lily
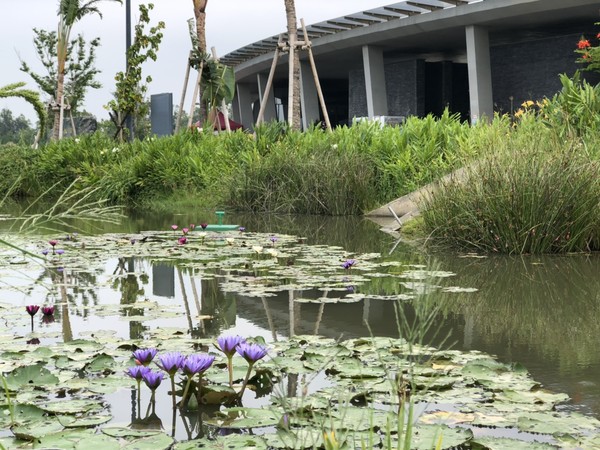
(170,362)
(45,251)
(60,251)
(144,356)
(242,229)
(251,352)
(182,240)
(196,363)
(174,227)
(137,372)
(32,310)
(53,242)
(204,225)
(348,263)
(185,230)
(152,379)
(228,344)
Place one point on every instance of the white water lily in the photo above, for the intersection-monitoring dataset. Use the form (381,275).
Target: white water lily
(272,252)
(230,241)
(257,248)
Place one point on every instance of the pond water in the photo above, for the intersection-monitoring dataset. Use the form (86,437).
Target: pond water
(540,312)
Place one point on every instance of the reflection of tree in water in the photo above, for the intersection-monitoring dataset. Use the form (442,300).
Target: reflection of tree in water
(128,283)
(209,301)
(82,291)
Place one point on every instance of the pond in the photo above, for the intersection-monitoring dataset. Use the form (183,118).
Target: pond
(141,286)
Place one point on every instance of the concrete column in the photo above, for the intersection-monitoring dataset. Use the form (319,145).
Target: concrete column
(244,103)
(309,99)
(261,79)
(375,81)
(480,73)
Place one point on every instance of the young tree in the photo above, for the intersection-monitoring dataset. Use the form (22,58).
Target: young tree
(69,13)
(15,129)
(129,96)
(80,71)
(294,91)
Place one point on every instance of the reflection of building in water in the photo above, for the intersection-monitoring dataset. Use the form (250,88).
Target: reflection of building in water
(163,280)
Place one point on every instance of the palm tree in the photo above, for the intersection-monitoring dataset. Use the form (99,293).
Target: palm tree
(69,13)
(294,82)
(200,15)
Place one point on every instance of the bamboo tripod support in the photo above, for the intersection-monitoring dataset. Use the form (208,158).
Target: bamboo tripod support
(197,95)
(184,91)
(223,104)
(291,48)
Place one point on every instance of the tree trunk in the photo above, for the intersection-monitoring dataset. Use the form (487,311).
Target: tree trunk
(292,27)
(60,91)
(200,15)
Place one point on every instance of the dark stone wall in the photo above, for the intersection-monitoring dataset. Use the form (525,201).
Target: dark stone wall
(529,70)
(357,95)
(405,84)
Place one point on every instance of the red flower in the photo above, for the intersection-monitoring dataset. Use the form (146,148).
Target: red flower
(583,44)
(598,36)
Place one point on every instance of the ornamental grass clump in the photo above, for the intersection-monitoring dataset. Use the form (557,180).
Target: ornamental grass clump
(532,194)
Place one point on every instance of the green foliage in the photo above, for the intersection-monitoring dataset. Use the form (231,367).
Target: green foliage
(80,71)
(218,83)
(130,89)
(16,130)
(589,54)
(31,97)
(531,193)
(575,110)
(69,12)
(345,172)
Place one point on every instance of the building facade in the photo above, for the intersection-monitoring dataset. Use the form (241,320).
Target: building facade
(475,57)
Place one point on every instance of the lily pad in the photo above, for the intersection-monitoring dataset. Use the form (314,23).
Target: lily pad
(244,418)
(33,375)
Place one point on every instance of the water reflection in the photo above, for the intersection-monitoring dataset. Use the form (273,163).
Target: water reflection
(541,312)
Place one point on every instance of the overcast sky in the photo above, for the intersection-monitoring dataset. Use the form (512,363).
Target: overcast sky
(230,24)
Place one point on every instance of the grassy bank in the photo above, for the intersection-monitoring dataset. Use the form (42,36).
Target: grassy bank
(531,180)
(535,188)
(345,172)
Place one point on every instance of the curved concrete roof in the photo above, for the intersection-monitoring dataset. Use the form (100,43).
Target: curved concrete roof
(424,27)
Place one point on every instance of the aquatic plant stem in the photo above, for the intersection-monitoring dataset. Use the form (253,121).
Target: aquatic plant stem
(151,403)
(139,397)
(250,366)
(173,395)
(185,392)
(230,369)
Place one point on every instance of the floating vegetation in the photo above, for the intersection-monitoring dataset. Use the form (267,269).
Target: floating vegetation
(301,392)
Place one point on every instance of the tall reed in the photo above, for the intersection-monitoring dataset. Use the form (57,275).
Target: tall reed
(532,193)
